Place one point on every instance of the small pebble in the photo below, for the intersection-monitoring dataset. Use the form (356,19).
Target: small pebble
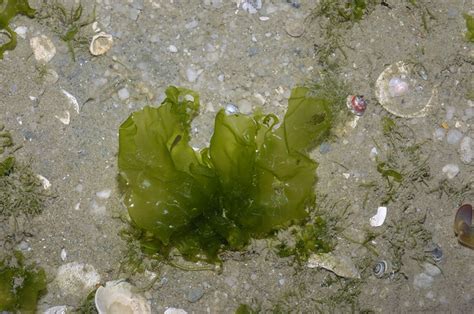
(172,48)
(21,31)
(104,194)
(123,93)
(194,295)
(454,136)
(231,109)
(221,77)
(245,106)
(466,151)
(439,134)
(431,270)
(324,148)
(191,25)
(451,170)
(192,75)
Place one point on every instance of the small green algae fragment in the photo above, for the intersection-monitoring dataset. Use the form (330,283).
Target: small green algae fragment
(254,177)
(11,9)
(21,285)
(470,27)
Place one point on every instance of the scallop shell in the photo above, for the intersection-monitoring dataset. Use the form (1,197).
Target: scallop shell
(404,91)
(101,43)
(117,297)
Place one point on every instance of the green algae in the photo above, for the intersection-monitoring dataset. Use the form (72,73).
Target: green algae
(470,27)
(11,9)
(21,285)
(255,177)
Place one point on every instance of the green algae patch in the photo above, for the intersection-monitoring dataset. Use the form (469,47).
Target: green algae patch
(255,177)
(10,9)
(470,27)
(21,285)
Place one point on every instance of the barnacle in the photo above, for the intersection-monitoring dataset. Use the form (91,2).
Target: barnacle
(11,9)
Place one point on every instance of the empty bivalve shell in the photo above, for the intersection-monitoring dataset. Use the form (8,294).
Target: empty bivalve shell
(101,43)
(463,226)
(404,90)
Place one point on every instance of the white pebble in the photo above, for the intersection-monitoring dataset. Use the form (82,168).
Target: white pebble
(245,106)
(123,93)
(466,151)
(191,25)
(221,77)
(451,170)
(264,18)
(104,194)
(45,182)
(422,281)
(454,136)
(231,109)
(21,31)
(63,254)
(172,48)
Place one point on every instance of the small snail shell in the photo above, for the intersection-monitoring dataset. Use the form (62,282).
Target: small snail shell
(437,254)
(380,269)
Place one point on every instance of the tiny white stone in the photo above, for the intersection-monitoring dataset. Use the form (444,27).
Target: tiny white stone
(123,93)
(346,175)
(378,219)
(451,170)
(63,254)
(221,77)
(264,18)
(172,48)
(104,194)
(21,31)
(44,181)
(231,109)
(373,153)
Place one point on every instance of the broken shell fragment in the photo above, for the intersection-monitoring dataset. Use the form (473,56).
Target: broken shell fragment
(43,48)
(402,90)
(117,297)
(463,226)
(101,43)
(340,265)
(379,218)
(356,104)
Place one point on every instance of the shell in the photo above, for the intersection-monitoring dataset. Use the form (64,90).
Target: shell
(437,254)
(356,104)
(404,92)
(379,218)
(101,43)
(463,226)
(381,269)
(117,297)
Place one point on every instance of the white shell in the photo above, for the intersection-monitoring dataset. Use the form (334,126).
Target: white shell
(340,265)
(77,279)
(43,48)
(404,91)
(378,219)
(117,297)
(60,309)
(101,43)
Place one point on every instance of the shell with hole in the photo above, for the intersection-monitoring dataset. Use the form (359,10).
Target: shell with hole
(101,43)
(118,297)
(404,90)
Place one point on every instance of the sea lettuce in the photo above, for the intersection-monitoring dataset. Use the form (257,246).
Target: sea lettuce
(255,177)
(8,11)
